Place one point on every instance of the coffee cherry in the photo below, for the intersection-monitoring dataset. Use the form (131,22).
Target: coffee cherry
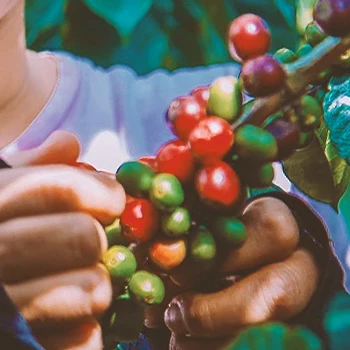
(314,34)
(262,76)
(168,254)
(203,245)
(258,176)
(333,16)
(285,56)
(287,135)
(177,223)
(120,263)
(136,178)
(225,99)
(114,234)
(123,322)
(255,143)
(175,157)
(304,50)
(150,161)
(166,192)
(211,139)
(249,36)
(218,185)
(305,139)
(139,221)
(146,288)
(311,113)
(230,231)
(201,94)
(183,115)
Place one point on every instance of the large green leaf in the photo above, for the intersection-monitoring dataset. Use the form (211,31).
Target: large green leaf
(337,115)
(41,16)
(337,322)
(310,170)
(124,15)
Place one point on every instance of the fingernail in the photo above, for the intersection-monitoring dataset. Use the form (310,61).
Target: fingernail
(174,320)
(102,236)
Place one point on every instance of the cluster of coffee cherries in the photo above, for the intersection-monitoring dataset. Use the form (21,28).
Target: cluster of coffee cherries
(183,204)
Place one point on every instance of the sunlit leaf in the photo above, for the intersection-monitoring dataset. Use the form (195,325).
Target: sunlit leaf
(309,170)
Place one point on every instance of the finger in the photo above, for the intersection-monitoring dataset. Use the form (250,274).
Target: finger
(275,292)
(56,189)
(272,236)
(189,343)
(67,297)
(154,315)
(61,147)
(86,336)
(41,245)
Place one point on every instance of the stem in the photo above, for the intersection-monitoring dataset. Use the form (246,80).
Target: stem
(300,74)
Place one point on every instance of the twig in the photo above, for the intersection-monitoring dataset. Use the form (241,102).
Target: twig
(300,74)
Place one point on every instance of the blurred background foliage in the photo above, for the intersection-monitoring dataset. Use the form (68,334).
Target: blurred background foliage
(150,34)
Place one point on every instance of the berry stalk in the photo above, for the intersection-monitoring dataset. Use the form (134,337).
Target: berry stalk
(300,74)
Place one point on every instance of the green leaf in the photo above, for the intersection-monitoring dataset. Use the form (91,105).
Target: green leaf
(337,322)
(340,170)
(309,169)
(276,336)
(337,115)
(146,49)
(124,15)
(266,337)
(41,15)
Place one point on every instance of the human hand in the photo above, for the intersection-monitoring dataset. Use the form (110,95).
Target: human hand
(52,238)
(280,284)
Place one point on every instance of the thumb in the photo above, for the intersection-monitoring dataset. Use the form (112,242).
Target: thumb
(62,147)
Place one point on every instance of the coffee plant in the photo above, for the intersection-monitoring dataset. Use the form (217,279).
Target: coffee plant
(183,203)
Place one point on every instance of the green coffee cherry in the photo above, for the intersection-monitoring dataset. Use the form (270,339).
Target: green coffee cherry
(120,263)
(304,50)
(166,192)
(203,245)
(177,223)
(114,234)
(311,114)
(314,34)
(259,176)
(123,322)
(306,139)
(256,144)
(285,56)
(146,288)
(230,230)
(225,99)
(136,178)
